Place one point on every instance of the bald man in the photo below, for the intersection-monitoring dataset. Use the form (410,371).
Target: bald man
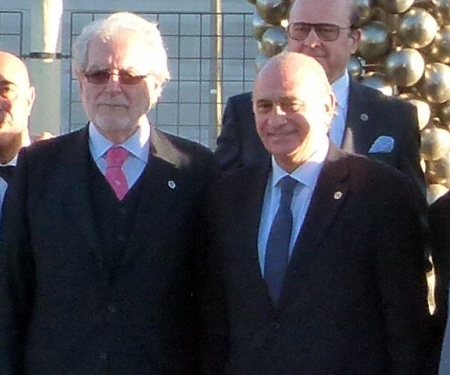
(16,100)
(366,121)
(320,250)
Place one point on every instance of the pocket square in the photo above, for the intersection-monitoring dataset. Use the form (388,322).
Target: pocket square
(382,144)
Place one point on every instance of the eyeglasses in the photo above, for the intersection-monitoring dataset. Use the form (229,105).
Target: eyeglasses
(326,32)
(100,77)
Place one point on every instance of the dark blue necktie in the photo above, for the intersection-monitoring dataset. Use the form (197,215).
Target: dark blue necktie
(277,250)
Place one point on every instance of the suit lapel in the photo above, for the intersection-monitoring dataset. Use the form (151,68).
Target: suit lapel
(79,203)
(249,216)
(359,122)
(327,201)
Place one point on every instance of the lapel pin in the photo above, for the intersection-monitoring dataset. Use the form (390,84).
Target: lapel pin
(364,117)
(171,184)
(337,195)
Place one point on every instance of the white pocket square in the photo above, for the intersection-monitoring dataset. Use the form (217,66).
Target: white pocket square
(382,144)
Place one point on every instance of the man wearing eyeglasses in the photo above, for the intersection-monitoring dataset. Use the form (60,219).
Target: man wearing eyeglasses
(102,247)
(366,122)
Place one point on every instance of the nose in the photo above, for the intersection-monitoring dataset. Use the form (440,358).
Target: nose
(278,116)
(113,83)
(312,40)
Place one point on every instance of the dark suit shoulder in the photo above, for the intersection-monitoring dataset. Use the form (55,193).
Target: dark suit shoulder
(380,100)
(245,97)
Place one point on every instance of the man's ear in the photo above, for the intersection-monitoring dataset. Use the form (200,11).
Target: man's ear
(31,98)
(355,39)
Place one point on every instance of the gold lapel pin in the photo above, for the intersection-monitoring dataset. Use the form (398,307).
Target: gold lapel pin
(338,195)
(364,117)
(171,184)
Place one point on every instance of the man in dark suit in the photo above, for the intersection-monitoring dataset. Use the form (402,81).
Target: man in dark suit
(101,254)
(366,121)
(343,290)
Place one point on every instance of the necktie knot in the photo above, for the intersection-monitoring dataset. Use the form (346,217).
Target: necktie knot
(287,185)
(116,156)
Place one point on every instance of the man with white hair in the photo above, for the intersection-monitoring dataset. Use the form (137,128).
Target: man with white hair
(101,242)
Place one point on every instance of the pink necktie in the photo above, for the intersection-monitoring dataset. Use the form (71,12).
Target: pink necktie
(115,157)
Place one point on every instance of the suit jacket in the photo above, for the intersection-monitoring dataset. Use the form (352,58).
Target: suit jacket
(370,115)
(354,296)
(439,221)
(61,312)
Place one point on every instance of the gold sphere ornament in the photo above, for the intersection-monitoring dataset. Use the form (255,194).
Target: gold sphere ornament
(435,83)
(259,26)
(444,114)
(395,6)
(273,41)
(375,41)
(354,67)
(273,11)
(435,143)
(441,11)
(438,171)
(377,81)
(366,10)
(440,47)
(404,67)
(422,107)
(417,28)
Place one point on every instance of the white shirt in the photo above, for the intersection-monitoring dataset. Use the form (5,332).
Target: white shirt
(138,145)
(340,89)
(306,174)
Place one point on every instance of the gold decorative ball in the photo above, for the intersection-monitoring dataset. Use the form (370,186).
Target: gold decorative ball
(404,67)
(354,67)
(435,83)
(366,10)
(273,11)
(273,41)
(435,143)
(377,81)
(441,11)
(417,28)
(444,114)
(375,41)
(440,47)
(395,6)
(259,26)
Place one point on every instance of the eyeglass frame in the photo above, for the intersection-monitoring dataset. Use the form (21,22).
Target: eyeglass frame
(312,26)
(120,74)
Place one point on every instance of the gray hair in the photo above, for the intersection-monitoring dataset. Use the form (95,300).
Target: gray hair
(108,28)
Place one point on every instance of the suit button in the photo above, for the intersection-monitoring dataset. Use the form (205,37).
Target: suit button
(121,237)
(112,309)
(275,326)
(103,356)
(122,210)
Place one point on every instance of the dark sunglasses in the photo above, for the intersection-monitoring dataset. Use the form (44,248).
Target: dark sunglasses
(326,32)
(100,77)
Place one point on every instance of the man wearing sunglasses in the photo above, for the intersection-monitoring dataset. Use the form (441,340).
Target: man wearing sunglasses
(366,122)
(102,242)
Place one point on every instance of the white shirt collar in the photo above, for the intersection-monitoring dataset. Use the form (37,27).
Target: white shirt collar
(137,144)
(340,89)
